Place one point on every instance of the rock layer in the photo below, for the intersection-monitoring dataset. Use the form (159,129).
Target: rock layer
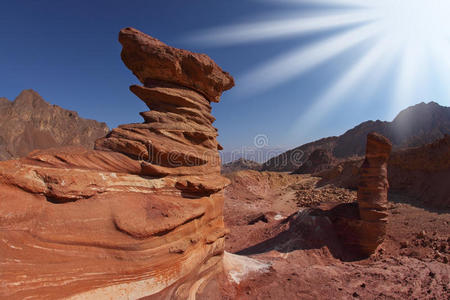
(142,214)
(372,192)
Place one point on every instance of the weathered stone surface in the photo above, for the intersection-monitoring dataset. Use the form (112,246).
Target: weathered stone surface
(372,192)
(151,59)
(423,173)
(139,216)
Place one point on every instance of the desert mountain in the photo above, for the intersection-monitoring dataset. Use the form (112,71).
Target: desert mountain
(415,126)
(29,123)
(241,164)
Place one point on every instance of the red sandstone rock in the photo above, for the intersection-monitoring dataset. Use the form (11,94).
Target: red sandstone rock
(152,60)
(142,215)
(372,193)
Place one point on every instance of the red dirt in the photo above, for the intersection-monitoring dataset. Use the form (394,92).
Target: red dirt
(309,262)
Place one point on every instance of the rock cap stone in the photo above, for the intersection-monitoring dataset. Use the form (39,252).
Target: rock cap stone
(150,59)
(378,145)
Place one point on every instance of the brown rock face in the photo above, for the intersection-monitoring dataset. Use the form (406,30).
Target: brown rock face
(423,173)
(30,123)
(142,215)
(372,192)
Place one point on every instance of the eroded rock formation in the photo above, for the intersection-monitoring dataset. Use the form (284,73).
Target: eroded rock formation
(361,226)
(139,216)
(372,192)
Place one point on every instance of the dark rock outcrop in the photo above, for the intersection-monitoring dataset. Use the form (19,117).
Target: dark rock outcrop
(291,160)
(318,161)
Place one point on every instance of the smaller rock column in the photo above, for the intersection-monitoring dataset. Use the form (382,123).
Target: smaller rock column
(372,193)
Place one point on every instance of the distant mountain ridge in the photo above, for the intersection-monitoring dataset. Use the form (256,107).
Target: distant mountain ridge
(415,126)
(253,153)
(29,123)
(241,164)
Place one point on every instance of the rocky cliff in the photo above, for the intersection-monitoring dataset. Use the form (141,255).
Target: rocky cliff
(423,173)
(29,123)
(317,161)
(142,214)
(415,126)
(292,159)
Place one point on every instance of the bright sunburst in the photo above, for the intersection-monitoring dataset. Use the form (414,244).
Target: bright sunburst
(413,33)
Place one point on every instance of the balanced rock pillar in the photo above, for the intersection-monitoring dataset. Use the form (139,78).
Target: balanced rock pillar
(139,216)
(373,193)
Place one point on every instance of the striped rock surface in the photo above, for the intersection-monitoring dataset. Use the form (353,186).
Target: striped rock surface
(139,216)
(373,193)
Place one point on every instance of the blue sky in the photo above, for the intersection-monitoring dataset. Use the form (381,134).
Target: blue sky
(68,52)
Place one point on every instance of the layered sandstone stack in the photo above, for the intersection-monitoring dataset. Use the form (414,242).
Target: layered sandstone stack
(142,214)
(372,193)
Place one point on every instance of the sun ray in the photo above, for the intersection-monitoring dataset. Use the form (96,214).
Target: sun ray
(278,28)
(301,60)
(335,94)
(415,34)
(356,3)
(410,65)
(441,50)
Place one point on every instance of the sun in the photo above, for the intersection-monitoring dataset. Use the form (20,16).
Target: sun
(414,22)
(413,35)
